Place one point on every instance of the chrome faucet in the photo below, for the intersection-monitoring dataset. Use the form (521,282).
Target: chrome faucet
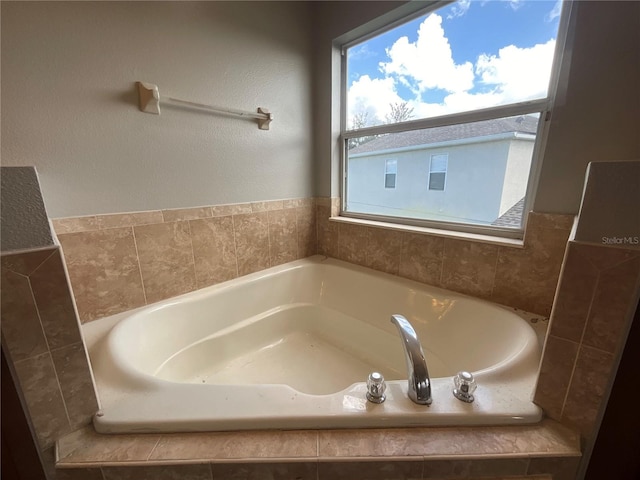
(419,381)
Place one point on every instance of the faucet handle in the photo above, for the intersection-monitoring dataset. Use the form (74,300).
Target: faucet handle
(465,385)
(376,388)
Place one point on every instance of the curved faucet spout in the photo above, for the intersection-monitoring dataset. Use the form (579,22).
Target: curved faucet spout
(419,381)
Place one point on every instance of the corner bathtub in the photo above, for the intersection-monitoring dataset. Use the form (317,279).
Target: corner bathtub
(291,347)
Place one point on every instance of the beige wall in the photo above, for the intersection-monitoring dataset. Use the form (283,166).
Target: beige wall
(69,106)
(596,117)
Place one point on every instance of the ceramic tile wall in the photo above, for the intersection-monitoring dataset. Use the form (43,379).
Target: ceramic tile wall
(122,261)
(524,278)
(42,340)
(596,298)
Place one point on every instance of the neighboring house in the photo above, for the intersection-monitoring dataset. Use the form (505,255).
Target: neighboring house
(473,172)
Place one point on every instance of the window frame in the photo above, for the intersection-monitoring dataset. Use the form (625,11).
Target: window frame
(431,171)
(543,107)
(387,162)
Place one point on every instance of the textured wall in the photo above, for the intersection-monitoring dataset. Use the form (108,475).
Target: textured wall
(24,218)
(69,105)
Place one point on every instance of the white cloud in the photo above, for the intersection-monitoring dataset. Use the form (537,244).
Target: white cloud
(518,73)
(459,8)
(428,62)
(372,96)
(513,74)
(555,12)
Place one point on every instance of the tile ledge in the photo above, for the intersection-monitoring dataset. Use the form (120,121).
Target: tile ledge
(561,442)
(473,237)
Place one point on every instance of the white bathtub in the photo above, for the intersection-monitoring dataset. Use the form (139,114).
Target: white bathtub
(291,347)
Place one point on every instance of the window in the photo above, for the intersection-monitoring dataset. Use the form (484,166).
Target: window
(390,171)
(439,82)
(438,171)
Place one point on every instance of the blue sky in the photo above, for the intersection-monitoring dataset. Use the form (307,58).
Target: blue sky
(466,55)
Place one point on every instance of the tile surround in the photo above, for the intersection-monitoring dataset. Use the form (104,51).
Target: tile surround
(42,340)
(524,278)
(458,452)
(596,294)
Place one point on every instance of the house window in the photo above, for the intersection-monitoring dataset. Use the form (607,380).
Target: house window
(390,172)
(435,82)
(438,171)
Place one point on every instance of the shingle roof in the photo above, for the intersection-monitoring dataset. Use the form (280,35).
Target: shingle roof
(520,124)
(512,217)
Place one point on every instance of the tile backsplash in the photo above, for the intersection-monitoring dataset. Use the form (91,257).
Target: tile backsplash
(122,261)
(118,262)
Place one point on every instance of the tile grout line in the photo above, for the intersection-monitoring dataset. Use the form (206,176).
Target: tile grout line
(193,256)
(135,245)
(580,345)
(154,448)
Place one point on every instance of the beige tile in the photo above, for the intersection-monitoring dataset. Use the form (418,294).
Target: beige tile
(270,471)
(42,395)
(557,221)
(574,296)
(378,470)
(383,250)
(75,224)
(476,468)
(542,438)
(441,469)
(421,258)
(527,278)
(85,446)
(236,445)
(307,231)
(588,386)
(72,369)
(257,207)
(604,257)
(79,474)
(323,202)
(613,305)
(469,267)
(563,468)
(555,374)
(104,271)
(299,203)
(166,259)
(48,463)
(54,302)
(328,233)
(129,219)
(21,329)
(231,209)
(283,236)
(183,214)
(25,263)
(252,242)
(159,472)
(482,467)
(352,240)
(214,250)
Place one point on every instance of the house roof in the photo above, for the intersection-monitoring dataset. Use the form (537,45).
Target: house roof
(519,124)
(512,217)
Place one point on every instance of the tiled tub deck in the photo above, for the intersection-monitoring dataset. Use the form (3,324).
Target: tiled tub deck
(543,451)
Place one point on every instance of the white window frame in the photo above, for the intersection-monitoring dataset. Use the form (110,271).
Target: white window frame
(387,163)
(542,106)
(431,171)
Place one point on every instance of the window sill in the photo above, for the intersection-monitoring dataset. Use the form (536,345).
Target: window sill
(474,237)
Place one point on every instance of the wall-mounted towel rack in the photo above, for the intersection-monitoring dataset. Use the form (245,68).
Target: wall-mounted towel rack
(149,102)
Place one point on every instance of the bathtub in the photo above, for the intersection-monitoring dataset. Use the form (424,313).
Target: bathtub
(291,347)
